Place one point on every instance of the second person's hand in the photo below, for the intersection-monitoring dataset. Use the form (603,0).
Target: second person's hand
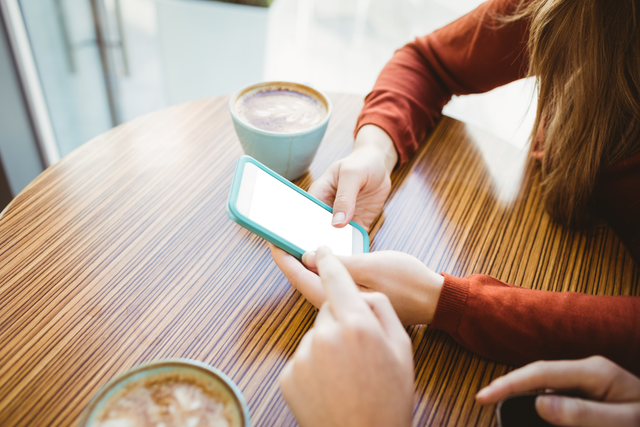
(358,185)
(354,368)
(611,394)
(412,288)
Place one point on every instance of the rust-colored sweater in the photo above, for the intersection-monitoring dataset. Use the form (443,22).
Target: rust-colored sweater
(496,320)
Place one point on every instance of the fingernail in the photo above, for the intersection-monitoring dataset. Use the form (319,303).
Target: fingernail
(323,251)
(338,218)
(484,392)
(309,258)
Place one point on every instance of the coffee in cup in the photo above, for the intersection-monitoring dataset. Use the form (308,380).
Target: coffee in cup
(280,109)
(281,124)
(169,393)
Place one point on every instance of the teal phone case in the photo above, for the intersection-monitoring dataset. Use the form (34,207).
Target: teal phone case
(255,228)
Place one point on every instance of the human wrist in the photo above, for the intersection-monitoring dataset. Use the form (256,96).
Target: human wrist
(372,137)
(432,289)
(451,304)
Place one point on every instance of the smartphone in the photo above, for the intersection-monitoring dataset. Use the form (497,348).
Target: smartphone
(270,206)
(519,410)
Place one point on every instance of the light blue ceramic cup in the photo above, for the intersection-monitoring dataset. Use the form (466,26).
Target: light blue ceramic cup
(215,379)
(288,154)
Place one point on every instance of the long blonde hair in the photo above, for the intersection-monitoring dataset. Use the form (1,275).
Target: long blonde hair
(585,55)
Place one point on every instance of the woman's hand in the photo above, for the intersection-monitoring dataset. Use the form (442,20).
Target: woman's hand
(358,185)
(355,366)
(613,393)
(411,286)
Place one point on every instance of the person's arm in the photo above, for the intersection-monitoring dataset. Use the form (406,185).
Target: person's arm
(474,54)
(516,325)
(502,322)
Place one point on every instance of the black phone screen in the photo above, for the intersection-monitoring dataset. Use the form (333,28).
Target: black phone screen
(295,217)
(519,411)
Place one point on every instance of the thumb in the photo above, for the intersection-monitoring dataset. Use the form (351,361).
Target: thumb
(570,411)
(361,267)
(350,182)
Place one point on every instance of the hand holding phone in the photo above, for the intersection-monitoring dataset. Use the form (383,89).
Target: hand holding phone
(275,209)
(358,185)
(612,394)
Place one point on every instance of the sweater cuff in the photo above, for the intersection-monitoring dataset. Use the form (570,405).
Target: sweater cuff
(451,305)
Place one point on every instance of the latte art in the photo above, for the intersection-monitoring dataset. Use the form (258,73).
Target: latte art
(170,400)
(280,110)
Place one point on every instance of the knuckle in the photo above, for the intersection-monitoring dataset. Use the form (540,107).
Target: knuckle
(323,341)
(295,279)
(539,366)
(599,361)
(541,369)
(355,328)
(341,199)
(602,366)
(349,169)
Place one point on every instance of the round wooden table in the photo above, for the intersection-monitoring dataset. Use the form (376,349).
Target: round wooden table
(122,253)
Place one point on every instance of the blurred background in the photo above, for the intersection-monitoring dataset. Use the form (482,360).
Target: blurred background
(72,69)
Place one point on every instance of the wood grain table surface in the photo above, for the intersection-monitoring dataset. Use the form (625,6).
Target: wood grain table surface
(122,253)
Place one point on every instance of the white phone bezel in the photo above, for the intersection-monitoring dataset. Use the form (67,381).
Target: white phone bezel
(245,197)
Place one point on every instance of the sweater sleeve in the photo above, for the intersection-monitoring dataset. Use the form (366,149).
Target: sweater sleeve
(474,54)
(515,325)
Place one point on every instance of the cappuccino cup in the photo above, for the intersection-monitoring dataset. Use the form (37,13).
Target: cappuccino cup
(171,393)
(281,124)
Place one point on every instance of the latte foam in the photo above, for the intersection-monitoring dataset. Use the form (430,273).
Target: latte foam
(280,110)
(170,400)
